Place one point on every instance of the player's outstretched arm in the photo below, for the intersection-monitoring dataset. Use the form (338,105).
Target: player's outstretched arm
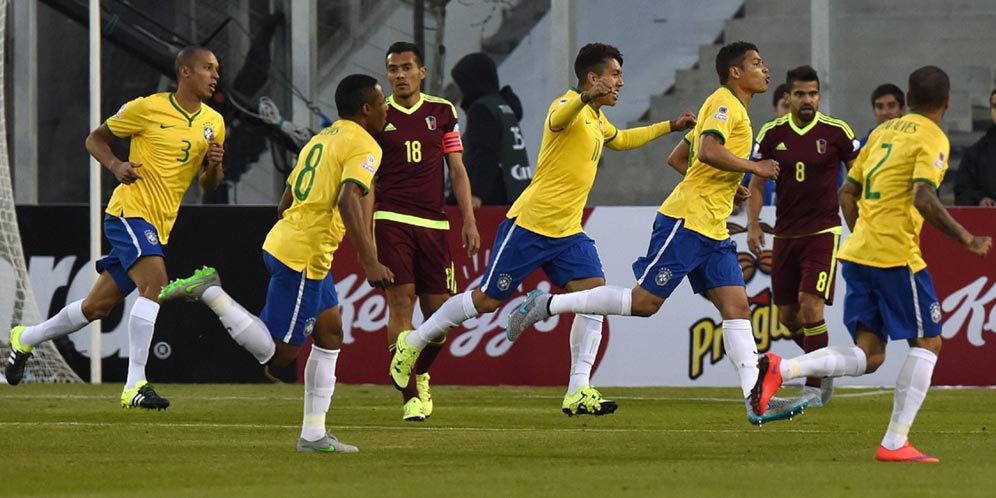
(469,237)
(98,144)
(632,138)
(351,210)
(926,202)
(712,152)
(678,159)
(755,236)
(848,197)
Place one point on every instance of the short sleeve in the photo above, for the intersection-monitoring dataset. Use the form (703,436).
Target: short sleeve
(361,166)
(130,119)
(221,133)
(856,173)
(688,137)
(719,119)
(849,146)
(931,163)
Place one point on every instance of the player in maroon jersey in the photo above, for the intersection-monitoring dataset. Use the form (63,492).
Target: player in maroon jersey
(410,227)
(810,147)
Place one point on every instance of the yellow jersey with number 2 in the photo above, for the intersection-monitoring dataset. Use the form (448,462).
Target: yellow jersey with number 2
(704,198)
(899,152)
(171,144)
(311,228)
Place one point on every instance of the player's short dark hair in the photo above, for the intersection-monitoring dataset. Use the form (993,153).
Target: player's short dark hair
(801,73)
(991,95)
(401,47)
(889,89)
(186,55)
(591,59)
(779,94)
(732,55)
(929,88)
(354,91)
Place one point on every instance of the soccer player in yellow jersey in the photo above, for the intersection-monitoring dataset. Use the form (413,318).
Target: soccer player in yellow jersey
(322,202)
(174,136)
(689,235)
(543,228)
(890,191)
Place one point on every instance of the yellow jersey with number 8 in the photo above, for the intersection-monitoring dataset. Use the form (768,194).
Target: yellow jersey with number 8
(170,143)
(310,230)
(899,153)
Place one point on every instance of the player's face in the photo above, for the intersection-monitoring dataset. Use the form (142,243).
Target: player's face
(887,107)
(405,74)
(804,100)
(202,76)
(613,71)
(753,73)
(376,112)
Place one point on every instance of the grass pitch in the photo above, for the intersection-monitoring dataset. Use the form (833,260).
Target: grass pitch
(222,440)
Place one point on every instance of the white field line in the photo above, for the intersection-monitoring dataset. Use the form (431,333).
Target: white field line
(197,425)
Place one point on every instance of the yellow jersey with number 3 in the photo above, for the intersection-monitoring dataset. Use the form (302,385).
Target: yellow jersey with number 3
(171,144)
(704,198)
(899,153)
(310,230)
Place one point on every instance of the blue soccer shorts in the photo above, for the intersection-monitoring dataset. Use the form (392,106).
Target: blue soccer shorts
(676,251)
(293,301)
(517,252)
(131,239)
(893,302)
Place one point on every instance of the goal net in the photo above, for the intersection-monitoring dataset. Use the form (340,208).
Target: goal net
(17,300)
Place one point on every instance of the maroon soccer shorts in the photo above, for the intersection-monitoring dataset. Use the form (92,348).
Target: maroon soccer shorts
(416,255)
(804,264)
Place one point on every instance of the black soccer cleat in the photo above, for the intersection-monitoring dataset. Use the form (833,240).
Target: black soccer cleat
(143,396)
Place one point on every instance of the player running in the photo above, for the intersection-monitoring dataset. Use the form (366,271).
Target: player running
(807,230)
(410,226)
(174,136)
(322,202)
(890,190)
(690,235)
(543,228)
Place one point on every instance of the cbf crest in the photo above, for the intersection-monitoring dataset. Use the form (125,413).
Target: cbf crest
(821,146)
(504,281)
(935,312)
(663,277)
(208,132)
(430,121)
(151,237)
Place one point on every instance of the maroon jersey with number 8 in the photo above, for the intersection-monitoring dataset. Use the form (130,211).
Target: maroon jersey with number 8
(809,159)
(415,141)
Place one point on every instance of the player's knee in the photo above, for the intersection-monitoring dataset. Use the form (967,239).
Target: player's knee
(874,360)
(645,304)
(485,303)
(790,322)
(329,338)
(97,308)
(932,344)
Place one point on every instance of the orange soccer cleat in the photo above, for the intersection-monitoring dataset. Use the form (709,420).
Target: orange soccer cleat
(905,454)
(769,380)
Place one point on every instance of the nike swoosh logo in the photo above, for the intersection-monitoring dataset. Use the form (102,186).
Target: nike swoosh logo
(164,126)
(190,288)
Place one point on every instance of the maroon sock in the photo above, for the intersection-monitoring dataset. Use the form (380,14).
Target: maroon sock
(815,335)
(426,357)
(799,339)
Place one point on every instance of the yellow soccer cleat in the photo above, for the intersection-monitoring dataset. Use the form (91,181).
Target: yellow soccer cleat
(587,401)
(422,385)
(413,411)
(403,361)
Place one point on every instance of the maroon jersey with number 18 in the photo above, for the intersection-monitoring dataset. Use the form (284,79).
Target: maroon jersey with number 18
(411,180)
(809,159)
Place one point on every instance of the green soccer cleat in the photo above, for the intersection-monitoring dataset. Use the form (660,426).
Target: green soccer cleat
(587,401)
(403,361)
(19,354)
(327,444)
(143,395)
(192,287)
(414,410)
(422,385)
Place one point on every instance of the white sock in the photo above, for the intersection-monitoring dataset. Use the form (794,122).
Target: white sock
(586,335)
(141,325)
(248,331)
(833,361)
(453,312)
(319,384)
(604,300)
(911,389)
(738,339)
(65,322)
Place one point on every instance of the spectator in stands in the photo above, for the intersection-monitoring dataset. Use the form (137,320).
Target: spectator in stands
(888,102)
(494,150)
(976,181)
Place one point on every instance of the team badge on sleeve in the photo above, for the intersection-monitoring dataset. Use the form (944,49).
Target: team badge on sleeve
(121,109)
(940,160)
(821,146)
(369,164)
(430,121)
(721,113)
